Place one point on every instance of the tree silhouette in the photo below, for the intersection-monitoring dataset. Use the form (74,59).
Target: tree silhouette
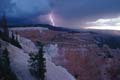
(37,64)
(4,26)
(5,69)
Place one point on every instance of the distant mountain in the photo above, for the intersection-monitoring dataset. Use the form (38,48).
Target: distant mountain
(50,27)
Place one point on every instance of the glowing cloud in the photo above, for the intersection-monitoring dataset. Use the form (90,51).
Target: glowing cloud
(105,24)
(104,27)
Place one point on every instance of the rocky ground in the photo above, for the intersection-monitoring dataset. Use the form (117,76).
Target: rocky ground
(79,53)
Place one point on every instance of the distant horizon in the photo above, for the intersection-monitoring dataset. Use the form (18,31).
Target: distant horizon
(77,14)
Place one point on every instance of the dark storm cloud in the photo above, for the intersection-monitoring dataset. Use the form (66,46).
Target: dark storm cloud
(4,5)
(68,10)
(24,8)
(86,9)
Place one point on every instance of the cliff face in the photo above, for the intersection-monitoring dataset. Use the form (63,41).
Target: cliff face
(79,53)
(20,65)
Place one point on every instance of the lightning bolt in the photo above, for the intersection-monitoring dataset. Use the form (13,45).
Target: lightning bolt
(51,19)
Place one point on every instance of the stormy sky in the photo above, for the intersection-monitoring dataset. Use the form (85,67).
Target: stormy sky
(74,13)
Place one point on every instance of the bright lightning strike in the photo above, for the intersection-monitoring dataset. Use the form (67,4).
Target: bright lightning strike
(51,19)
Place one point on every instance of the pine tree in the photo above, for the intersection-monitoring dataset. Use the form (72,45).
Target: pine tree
(4,32)
(14,40)
(5,59)
(5,68)
(13,37)
(33,62)
(41,63)
(4,26)
(37,64)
